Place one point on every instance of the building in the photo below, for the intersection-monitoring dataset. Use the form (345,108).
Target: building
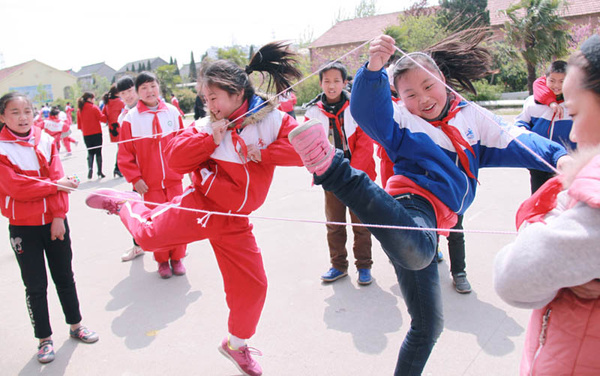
(155,62)
(86,74)
(41,82)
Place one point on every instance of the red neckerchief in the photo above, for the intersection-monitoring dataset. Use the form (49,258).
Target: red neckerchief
(535,208)
(237,117)
(156,128)
(36,133)
(338,122)
(455,136)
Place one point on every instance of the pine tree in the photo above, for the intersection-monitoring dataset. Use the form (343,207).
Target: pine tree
(140,69)
(193,73)
(149,66)
(171,60)
(176,67)
(132,69)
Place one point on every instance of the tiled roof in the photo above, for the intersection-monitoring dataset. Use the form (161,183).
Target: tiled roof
(575,8)
(10,70)
(356,31)
(101,69)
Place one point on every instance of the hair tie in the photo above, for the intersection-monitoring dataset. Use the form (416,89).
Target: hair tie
(248,69)
(591,50)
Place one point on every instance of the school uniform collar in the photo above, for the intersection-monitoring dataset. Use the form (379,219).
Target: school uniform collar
(141,107)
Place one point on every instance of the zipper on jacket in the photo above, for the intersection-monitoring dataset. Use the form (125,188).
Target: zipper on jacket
(542,338)
(247,186)
(162,164)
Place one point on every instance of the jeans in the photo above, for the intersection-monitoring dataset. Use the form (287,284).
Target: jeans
(411,252)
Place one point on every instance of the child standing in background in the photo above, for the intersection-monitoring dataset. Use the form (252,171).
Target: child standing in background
(112,109)
(547,117)
(333,111)
(36,210)
(553,265)
(89,118)
(146,130)
(175,102)
(232,158)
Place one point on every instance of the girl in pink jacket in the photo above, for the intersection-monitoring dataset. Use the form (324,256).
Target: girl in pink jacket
(554,264)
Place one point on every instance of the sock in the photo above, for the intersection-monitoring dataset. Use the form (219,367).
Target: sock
(236,342)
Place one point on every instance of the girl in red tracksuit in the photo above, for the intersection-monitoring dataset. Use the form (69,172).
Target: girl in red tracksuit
(89,117)
(232,157)
(113,106)
(54,126)
(36,210)
(145,133)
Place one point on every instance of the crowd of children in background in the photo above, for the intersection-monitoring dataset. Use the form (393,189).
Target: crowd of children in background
(431,142)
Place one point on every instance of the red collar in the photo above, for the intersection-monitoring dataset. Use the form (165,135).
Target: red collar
(238,114)
(143,108)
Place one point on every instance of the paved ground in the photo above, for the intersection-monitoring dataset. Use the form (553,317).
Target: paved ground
(150,326)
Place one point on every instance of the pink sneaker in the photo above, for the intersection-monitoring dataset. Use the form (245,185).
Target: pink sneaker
(164,270)
(311,143)
(110,200)
(177,266)
(242,358)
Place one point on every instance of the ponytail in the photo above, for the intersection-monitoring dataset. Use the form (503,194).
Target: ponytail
(274,58)
(84,98)
(459,58)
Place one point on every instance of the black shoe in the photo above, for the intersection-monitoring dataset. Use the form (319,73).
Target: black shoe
(461,284)
(90,174)
(101,175)
(117,174)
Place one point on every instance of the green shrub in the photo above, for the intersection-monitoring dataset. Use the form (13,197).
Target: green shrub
(307,90)
(485,91)
(187,99)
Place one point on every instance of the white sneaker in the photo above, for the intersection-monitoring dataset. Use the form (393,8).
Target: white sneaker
(132,253)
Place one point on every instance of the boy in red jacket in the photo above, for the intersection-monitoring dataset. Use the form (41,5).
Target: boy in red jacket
(145,132)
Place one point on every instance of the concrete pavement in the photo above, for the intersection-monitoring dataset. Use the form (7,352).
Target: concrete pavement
(150,326)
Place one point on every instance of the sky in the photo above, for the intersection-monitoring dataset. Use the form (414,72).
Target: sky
(67,34)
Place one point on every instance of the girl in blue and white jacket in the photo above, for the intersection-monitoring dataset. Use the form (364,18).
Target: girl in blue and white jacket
(437,142)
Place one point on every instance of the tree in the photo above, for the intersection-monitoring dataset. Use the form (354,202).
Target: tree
(170,60)
(456,15)
(132,68)
(176,67)
(193,73)
(538,31)
(149,66)
(234,54)
(416,30)
(168,80)
(363,9)
(140,69)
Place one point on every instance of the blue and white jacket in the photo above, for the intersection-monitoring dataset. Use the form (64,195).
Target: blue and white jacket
(425,155)
(540,119)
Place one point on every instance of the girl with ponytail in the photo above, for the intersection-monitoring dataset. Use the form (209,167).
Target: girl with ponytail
(231,157)
(437,142)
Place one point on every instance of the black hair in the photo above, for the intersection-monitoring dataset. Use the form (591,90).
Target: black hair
(274,58)
(54,111)
(9,97)
(143,78)
(125,83)
(558,66)
(110,94)
(84,98)
(459,58)
(334,65)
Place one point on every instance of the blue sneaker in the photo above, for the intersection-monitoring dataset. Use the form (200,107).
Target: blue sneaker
(333,275)
(440,256)
(364,277)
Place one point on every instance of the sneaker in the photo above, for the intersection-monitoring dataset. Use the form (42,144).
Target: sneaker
(311,143)
(84,334)
(333,274)
(461,284)
(177,266)
(110,200)
(364,277)
(440,256)
(132,253)
(242,358)
(164,270)
(45,352)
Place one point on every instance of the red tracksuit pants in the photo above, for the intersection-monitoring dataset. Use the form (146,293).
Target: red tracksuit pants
(160,196)
(236,251)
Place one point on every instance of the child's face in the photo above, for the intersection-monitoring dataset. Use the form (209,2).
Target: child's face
(129,96)
(422,94)
(554,81)
(149,93)
(584,107)
(220,103)
(332,84)
(18,116)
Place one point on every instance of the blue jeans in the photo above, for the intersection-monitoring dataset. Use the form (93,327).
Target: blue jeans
(411,252)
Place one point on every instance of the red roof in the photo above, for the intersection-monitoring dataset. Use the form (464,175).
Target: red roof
(574,9)
(357,30)
(10,70)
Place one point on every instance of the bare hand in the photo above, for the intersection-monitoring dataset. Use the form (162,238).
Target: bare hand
(57,229)
(564,162)
(558,110)
(380,51)
(590,290)
(140,186)
(254,153)
(219,129)
(66,185)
